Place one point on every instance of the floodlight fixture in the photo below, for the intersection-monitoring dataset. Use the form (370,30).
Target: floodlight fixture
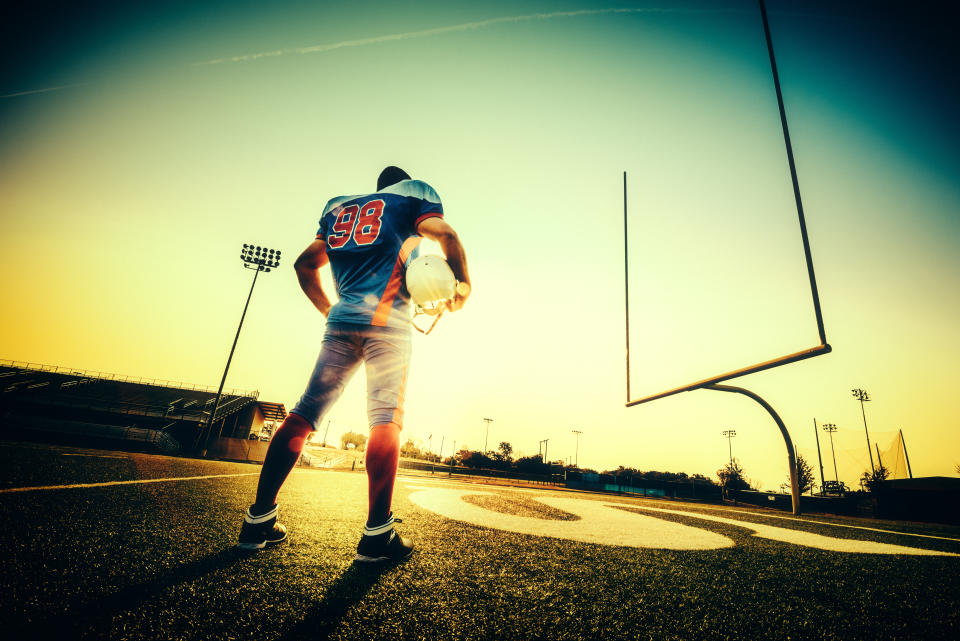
(262,259)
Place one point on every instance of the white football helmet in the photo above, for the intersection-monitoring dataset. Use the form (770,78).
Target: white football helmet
(431,284)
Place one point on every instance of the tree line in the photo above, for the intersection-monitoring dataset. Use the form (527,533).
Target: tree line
(503,459)
(731,476)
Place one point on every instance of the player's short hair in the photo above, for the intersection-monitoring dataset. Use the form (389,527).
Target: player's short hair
(390,176)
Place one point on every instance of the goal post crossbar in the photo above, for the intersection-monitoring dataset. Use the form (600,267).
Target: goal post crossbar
(759,367)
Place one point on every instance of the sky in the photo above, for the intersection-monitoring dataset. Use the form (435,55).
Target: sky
(141,146)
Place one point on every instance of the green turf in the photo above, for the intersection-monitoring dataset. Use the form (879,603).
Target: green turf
(155,561)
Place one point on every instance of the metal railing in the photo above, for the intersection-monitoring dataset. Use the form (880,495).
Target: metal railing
(230,407)
(107,376)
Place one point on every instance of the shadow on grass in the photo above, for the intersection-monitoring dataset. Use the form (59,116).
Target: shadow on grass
(350,588)
(82,613)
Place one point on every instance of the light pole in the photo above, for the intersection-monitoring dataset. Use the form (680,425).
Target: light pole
(862,396)
(543,452)
(816,436)
(830,428)
(576,458)
(730,434)
(259,259)
(487,438)
(326,431)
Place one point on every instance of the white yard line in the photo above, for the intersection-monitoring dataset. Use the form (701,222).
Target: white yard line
(108,483)
(92,455)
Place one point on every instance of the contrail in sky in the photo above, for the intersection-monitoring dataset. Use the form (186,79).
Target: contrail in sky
(467,26)
(33,91)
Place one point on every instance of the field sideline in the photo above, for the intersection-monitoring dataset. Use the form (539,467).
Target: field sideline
(134,546)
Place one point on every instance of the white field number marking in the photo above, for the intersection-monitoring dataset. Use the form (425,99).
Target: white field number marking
(600,522)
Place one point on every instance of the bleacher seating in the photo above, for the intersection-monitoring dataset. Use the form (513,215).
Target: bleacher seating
(45,392)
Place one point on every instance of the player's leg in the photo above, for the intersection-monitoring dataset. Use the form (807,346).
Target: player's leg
(386,356)
(383,456)
(282,454)
(339,357)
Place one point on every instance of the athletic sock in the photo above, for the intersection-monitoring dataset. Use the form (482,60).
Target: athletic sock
(284,452)
(383,455)
(254,516)
(383,528)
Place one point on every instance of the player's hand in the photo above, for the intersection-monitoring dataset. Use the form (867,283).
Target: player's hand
(460,297)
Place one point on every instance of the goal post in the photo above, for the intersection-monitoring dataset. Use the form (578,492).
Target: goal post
(713,382)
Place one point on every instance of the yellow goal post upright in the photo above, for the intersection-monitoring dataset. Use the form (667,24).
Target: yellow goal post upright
(713,382)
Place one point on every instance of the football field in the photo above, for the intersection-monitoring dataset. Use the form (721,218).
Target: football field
(117,545)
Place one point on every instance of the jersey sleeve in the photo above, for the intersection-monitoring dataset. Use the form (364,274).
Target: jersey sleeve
(330,206)
(427,200)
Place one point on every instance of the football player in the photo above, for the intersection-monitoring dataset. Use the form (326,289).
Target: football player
(368,240)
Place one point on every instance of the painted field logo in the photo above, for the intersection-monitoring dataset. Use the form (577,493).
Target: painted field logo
(603,523)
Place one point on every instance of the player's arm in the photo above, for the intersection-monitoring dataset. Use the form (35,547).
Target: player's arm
(308,267)
(437,229)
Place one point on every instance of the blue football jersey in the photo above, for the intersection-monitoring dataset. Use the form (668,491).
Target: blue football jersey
(370,240)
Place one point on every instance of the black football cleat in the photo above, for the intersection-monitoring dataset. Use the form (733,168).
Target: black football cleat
(378,546)
(260,531)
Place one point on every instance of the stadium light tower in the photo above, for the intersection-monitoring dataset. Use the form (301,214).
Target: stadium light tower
(862,396)
(576,457)
(730,434)
(816,436)
(259,259)
(830,428)
(487,438)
